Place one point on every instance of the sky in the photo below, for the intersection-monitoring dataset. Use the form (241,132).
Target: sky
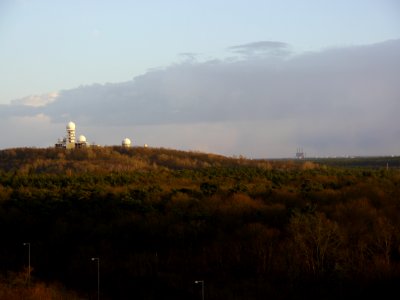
(256,78)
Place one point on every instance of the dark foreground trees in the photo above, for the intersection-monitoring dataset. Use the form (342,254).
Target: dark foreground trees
(161,219)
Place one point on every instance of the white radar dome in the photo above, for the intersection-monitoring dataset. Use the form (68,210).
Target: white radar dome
(82,139)
(126,142)
(71,126)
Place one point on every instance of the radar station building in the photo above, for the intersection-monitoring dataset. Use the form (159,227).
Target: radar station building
(69,141)
(126,143)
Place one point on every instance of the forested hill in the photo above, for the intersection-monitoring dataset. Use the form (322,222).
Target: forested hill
(114,159)
(118,159)
(160,219)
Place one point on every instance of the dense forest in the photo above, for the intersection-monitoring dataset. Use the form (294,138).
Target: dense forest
(160,219)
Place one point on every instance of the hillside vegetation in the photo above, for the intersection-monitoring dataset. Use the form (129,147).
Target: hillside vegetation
(159,219)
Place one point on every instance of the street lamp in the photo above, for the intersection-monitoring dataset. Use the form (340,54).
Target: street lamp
(202,287)
(29,262)
(98,276)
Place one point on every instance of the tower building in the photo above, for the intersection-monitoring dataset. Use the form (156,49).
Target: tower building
(70,135)
(69,142)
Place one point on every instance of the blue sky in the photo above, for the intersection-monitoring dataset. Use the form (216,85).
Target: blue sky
(48,45)
(160,57)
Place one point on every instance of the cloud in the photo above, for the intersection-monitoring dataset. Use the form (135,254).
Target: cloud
(270,48)
(36,100)
(342,101)
(188,56)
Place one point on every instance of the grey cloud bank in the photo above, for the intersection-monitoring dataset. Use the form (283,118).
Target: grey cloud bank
(342,101)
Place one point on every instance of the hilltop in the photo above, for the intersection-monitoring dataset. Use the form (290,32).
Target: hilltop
(116,158)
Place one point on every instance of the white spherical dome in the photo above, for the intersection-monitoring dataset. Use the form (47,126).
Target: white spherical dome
(82,139)
(126,142)
(71,126)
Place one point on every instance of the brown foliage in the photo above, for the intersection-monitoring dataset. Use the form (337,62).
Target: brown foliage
(16,287)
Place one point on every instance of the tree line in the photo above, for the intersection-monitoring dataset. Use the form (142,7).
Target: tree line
(160,219)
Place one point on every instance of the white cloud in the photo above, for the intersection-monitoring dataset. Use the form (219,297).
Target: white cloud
(36,100)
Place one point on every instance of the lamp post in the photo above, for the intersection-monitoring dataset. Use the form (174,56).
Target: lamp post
(29,262)
(98,276)
(202,287)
